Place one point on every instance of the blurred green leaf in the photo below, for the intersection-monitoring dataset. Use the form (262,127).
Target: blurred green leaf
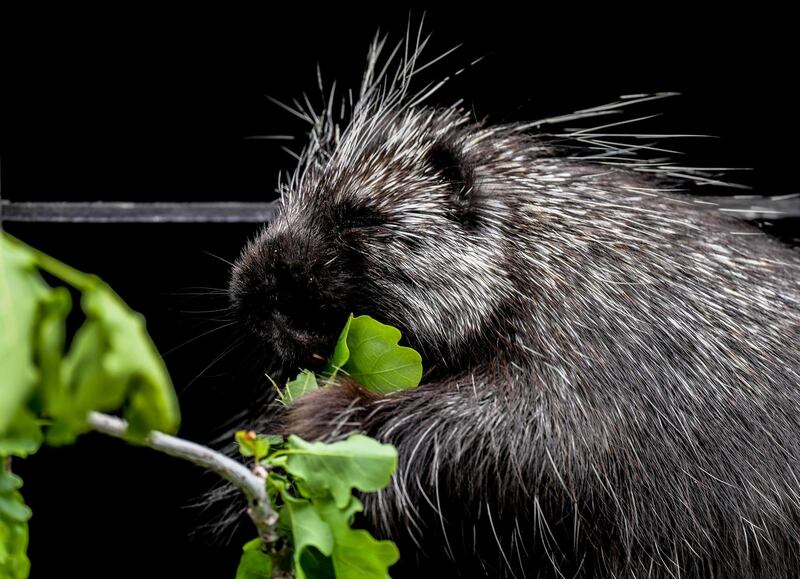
(14,515)
(23,436)
(22,293)
(112,363)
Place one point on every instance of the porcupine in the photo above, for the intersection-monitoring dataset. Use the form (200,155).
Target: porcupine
(611,382)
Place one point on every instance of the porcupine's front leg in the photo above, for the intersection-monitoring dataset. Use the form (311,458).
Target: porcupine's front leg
(329,413)
(465,489)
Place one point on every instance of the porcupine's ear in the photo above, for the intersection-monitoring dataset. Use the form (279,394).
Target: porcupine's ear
(452,165)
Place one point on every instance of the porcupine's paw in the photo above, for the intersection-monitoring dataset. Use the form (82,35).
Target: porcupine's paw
(329,413)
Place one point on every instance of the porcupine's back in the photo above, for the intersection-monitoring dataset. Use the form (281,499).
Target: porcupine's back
(640,413)
(612,385)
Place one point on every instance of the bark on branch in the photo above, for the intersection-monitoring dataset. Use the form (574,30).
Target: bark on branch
(251,484)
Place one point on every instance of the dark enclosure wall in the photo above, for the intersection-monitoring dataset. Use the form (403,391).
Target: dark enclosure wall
(156,106)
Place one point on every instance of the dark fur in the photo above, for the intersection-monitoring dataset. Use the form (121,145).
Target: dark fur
(611,384)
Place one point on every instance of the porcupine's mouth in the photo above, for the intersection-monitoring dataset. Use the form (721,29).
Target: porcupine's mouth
(302,348)
(309,348)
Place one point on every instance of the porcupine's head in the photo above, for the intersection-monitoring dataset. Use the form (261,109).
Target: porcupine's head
(391,216)
(468,237)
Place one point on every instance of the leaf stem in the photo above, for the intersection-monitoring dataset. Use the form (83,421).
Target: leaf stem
(61,270)
(253,486)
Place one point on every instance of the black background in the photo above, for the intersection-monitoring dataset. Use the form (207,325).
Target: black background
(135,106)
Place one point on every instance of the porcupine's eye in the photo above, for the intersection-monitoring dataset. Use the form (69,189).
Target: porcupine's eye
(450,163)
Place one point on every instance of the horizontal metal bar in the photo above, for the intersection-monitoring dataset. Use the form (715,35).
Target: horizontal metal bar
(747,208)
(130,212)
(757,208)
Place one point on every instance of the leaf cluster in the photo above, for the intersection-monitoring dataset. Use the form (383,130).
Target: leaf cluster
(312,482)
(48,388)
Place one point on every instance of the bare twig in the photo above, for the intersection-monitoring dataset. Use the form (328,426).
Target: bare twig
(251,484)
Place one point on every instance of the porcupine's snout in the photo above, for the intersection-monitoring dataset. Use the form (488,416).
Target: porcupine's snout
(283,292)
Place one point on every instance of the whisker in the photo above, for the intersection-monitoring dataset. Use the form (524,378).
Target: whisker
(222,259)
(198,291)
(189,341)
(214,311)
(224,353)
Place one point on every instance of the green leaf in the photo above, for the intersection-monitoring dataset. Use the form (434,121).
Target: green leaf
(22,292)
(308,530)
(14,514)
(255,563)
(14,562)
(134,360)
(304,382)
(245,438)
(8,481)
(368,352)
(357,462)
(274,439)
(356,554)
(315,565)
(112,362)
(252,444)
(23,436)
(50,343)
(341,353)
(14,510)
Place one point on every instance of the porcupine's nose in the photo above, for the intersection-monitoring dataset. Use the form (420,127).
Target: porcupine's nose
(306,312)
(279,292)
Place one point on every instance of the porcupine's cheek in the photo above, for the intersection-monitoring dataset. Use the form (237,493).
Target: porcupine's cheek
(448,292)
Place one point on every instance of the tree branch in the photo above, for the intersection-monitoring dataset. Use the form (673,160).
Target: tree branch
(251,484)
